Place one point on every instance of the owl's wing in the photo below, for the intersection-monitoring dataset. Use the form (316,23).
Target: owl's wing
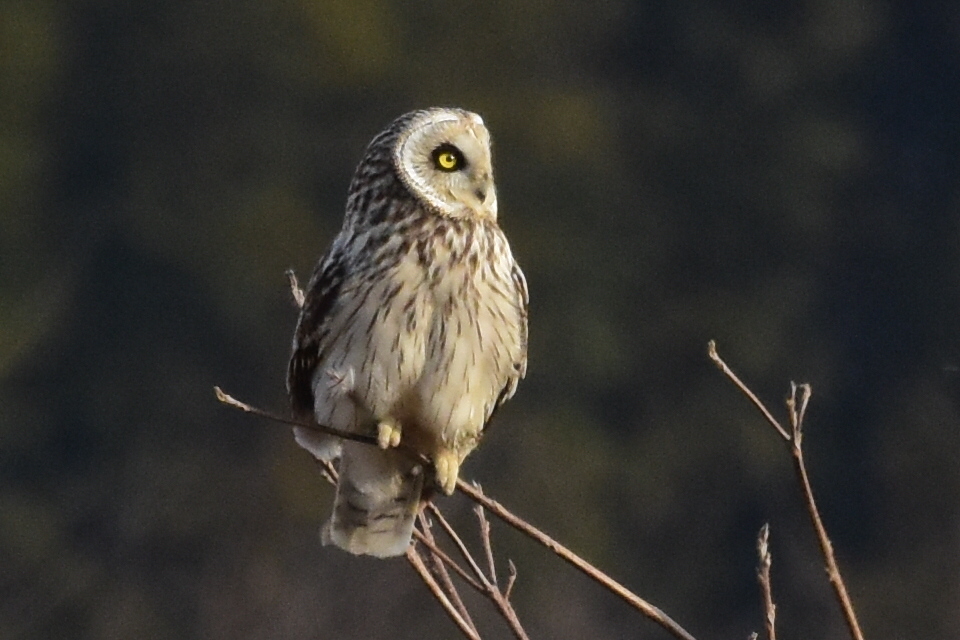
(520,364)
(313,330)
(520,282)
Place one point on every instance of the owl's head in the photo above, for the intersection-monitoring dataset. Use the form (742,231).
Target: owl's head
(443,157)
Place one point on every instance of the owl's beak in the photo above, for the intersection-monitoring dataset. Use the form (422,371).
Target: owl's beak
(486,194)
(490,201)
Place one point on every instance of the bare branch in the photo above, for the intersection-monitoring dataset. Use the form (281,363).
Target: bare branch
(763,577)
(487,544)
(510,580)
(712,352)
(437,551)
(440,571)
(455,537)
(413,556)
(570,557)
(229,400)
(833,570)
(490,588)
(295,289)
(797,411)
(509,614)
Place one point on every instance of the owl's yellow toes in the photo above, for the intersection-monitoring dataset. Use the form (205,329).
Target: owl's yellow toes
(447,463)
(388,434)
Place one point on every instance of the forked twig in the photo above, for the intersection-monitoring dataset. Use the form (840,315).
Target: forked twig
(511,579)
(461,546)
(826,547)
(487,545)
(440,571)
(413,556)
(488,582)
(798,411)
(499,597)
(712,352)
(295,289)
(570,557)
(447,560)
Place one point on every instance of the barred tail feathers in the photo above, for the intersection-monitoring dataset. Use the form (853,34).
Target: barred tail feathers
(378,496)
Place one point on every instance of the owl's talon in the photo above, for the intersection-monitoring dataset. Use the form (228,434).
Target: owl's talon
(388,434)
(447,464)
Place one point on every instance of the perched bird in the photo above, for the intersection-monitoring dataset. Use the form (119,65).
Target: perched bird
(413,327)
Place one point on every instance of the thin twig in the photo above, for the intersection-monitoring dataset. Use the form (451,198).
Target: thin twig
(450,562)
(499,598)
(440,571)
(458,541)
(509,614)
(796,416)
(416,561)
(712,352)
(570,557)
(487,544)
(490,588)
(763,577)
(797,411)
(227,399)
(511,579)
(826,547)
(295,289)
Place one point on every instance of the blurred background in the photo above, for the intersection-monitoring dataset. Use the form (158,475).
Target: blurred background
(780,177)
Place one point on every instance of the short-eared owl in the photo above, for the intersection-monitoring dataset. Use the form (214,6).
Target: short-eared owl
(414,326)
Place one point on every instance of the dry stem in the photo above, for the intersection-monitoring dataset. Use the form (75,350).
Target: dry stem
(440,572)
(569,556)
(413,556)
(488,582)
(795,438)
(446,559)
(763,577)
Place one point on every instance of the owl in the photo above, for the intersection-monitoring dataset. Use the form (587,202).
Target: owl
(413,328)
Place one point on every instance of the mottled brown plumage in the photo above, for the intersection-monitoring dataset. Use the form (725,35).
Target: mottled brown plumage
(414,325)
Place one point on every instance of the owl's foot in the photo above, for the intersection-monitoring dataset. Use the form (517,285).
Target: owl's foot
(388,434)
(447,463)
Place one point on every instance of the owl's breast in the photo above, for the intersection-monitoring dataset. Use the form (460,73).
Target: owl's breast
(429,342)
(473,337)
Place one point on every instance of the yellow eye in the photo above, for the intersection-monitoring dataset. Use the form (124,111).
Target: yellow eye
(448,158)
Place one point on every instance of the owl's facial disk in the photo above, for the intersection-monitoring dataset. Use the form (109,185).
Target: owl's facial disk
(446,161)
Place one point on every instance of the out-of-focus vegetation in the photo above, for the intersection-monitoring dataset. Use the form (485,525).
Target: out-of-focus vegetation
(782,177)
